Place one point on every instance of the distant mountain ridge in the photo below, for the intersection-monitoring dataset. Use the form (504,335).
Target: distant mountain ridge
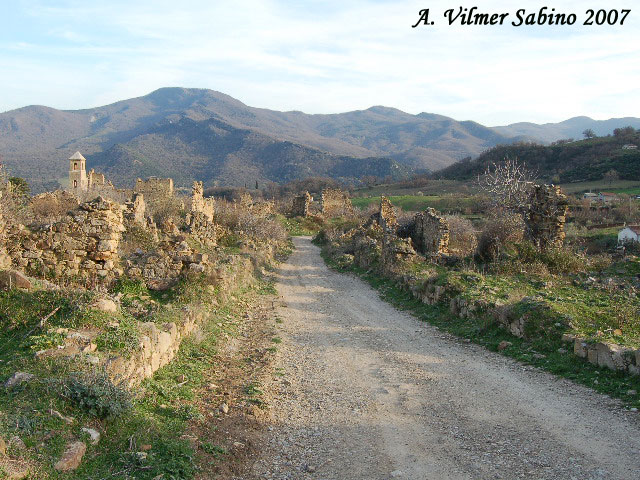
(207,135)
(571,128)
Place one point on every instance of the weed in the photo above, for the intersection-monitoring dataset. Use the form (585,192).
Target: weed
(96,394)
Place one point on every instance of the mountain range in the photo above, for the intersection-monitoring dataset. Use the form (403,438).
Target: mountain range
(202,134)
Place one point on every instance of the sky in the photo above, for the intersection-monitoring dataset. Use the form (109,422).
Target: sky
(323,56)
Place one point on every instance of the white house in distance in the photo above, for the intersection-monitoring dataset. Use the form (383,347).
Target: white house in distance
(629,234)
(629,146)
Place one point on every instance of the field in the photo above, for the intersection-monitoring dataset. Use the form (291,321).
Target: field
(414,203)
(629,187)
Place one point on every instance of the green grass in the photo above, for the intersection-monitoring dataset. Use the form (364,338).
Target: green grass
(301,226)
(444,203)
(542,351)
(162,407)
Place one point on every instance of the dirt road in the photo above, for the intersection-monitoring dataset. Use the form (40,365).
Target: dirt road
(368,392)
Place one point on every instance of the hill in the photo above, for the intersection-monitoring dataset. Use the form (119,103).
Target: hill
(579,161)
(200,133)
(163,133)
(571,128)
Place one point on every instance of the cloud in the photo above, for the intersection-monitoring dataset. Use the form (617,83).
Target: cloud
(329,56)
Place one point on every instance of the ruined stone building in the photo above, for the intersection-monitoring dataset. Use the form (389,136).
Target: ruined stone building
(430,233)
(300,205)
(546,216)
(334,203)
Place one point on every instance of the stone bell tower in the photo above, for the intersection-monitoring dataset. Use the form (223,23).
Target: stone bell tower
(78,181)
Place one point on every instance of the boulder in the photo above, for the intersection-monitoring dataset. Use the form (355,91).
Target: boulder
(105,305)
(14,279)
(18,378)
(72,457)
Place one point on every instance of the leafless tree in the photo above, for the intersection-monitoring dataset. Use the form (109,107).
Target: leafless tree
(507,184)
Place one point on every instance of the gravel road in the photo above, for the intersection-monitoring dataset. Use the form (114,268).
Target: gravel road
(364,391)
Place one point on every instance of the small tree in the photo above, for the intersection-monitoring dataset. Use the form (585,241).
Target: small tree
(507,184)
(589,133)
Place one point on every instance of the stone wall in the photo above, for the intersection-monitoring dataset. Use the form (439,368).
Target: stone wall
(82,246)
(154,187)
(162,267)
(199,204)
(546,216)
(300,205)
(386,216)
(609,355)
(135,210)
(430,233)
(335,203)
(5,260)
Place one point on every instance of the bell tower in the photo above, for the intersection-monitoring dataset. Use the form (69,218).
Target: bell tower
(78,181)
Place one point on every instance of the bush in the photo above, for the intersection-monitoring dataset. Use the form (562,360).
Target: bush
(96,394)
(497,234)
(244,223)
(123,338)
(462,236)
(162,209)
(134,238)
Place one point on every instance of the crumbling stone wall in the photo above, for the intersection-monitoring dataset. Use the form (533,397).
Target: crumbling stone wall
(199,204)
(300,205)
(83,245)
(335,203)
(135,209)
(430,233)
(263,208)
(154,187)
(546,216)
(5,260)
(386,216)
(200,219)
(161,268)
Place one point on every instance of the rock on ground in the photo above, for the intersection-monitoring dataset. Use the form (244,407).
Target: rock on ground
(72,457)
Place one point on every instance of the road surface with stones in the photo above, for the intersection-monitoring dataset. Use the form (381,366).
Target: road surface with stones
(369,392)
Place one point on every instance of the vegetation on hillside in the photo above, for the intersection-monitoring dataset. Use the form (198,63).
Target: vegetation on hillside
(598,158)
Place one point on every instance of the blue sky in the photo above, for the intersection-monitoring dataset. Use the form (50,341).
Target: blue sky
(321,57)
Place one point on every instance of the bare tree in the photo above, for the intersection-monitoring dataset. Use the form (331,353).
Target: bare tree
(589,133)
(507,184)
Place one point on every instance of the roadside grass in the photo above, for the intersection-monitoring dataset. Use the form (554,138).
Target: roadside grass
(161,406)
(546,352)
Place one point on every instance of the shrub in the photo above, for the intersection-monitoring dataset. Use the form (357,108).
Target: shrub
(134,238)
(462,236)
(497,234)
(123,338)
(164,208)
(96,394)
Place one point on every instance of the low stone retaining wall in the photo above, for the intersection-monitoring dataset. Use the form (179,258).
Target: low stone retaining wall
(159,343)
(610,355)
